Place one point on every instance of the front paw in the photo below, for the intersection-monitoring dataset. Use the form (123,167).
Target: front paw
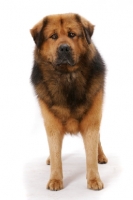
(55,184)
(95,184)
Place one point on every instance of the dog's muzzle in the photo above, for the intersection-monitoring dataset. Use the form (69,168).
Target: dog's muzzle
(64,55)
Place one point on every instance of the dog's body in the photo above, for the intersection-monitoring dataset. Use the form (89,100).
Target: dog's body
(68,77)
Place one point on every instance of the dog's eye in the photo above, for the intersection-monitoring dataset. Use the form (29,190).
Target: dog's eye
(54,36)
(71,35)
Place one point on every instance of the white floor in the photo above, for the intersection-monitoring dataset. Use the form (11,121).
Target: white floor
(23,143)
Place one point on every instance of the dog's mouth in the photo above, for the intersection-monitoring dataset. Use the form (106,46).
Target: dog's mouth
(65,61)
(64,65)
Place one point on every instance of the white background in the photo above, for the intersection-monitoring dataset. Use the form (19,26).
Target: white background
(23,143)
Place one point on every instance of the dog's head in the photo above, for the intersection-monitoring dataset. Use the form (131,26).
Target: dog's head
(62,39)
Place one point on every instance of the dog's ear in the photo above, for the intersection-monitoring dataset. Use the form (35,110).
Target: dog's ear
(37,32)
(88,29)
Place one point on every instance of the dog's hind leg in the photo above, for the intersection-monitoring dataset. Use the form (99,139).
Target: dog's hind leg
(48,161)
(102,159)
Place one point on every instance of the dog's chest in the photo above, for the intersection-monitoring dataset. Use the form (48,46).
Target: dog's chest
(70,97)
(72,90)
(71,77)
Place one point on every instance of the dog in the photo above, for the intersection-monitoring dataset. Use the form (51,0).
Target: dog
(68,76)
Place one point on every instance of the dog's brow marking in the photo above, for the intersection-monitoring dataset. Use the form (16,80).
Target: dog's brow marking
(61,21)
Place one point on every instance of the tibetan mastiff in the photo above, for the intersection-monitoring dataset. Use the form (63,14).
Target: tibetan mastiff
(68,77)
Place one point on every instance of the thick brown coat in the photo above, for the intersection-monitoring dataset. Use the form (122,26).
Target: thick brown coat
(68,77)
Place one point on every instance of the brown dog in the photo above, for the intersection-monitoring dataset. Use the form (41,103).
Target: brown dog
(68,77)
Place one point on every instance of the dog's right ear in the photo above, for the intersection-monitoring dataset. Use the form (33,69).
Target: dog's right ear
(37,32)
(88,28)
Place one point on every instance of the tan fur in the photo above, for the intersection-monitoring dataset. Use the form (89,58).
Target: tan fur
(89,129)
(55,133)
(79,108)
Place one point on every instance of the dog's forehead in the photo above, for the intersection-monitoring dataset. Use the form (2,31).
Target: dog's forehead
(67,21)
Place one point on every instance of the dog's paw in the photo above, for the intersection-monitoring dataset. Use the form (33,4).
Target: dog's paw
(95,184)
(102,159)
(55,185)
(48,161)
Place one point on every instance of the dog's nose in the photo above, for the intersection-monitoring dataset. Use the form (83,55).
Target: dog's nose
(64,48)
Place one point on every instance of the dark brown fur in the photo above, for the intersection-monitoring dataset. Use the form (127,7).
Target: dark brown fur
(68,77)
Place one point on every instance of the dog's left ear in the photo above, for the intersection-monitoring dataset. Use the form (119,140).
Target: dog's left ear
(37,32)
(88,29)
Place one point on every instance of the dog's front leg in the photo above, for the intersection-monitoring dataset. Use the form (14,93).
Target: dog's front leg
(90,139)
(55,135)
(55,145)
(90,126)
